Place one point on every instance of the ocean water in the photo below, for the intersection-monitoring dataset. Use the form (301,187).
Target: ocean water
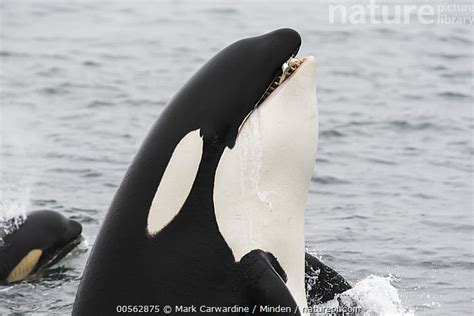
(390,204)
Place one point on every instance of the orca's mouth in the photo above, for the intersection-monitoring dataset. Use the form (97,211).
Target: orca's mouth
(282,75)
(61,253)
(287,69)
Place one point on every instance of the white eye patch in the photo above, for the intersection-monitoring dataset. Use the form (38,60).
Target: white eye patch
(176,182)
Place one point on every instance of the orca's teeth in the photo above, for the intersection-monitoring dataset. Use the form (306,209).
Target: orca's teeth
(287,69)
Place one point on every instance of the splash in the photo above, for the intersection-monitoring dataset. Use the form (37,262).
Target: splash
(311,279)
(15,203)
(9,225)
(374,295)
(17,151)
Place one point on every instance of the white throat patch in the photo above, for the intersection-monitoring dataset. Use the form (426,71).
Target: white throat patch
(262,183)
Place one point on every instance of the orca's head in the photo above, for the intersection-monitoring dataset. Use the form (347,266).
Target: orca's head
(56,230)
(49,229)
(59,235)
(239,87)
(72,230)
(227,88)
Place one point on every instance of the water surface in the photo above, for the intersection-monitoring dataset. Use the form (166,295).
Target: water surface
(391,195)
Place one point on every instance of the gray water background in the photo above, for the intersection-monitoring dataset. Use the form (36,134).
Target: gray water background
(392,187)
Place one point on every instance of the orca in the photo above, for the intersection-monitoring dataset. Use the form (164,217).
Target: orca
(41,240)
(322,282)
(211,210)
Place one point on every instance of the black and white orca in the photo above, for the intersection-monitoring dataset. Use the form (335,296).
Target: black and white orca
(41,240)
(211,210)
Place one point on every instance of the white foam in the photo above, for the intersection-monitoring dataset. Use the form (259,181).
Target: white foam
(374,295)
(9,225)
(14,206)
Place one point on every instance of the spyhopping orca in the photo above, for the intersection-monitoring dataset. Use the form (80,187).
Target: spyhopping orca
(211,211)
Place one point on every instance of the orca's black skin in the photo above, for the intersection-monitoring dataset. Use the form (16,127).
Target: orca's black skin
(188,261)
(46,230)
(322,282)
